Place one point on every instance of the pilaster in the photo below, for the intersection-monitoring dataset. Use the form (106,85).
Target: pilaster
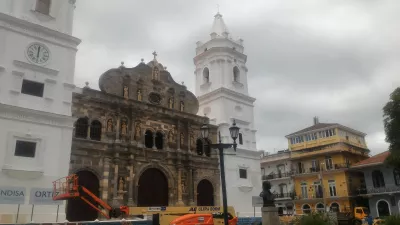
(131,178)
(115,180)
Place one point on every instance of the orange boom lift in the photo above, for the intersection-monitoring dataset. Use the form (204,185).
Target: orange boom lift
(68,187)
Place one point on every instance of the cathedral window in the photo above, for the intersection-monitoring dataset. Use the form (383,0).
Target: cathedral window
(148,139)
(81,128)
(25,149)
(95,130)
(236,74)
(159,140)
(199,147)
(32,88)
(207,148)
(43,6)
(240,138)
(206,75)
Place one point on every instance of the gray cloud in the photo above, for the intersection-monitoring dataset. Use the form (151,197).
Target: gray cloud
(334,59)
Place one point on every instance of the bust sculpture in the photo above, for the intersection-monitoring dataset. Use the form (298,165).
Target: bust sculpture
(268,197)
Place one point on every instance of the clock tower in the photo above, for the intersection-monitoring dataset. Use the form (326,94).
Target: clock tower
(37,63)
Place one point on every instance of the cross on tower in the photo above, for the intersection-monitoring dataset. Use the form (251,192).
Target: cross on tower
(155,54)
(218,7)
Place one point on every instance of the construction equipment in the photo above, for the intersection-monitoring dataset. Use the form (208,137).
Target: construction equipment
(203,219)
(356,217)
(68,187)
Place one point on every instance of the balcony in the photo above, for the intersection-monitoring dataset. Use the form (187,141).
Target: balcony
(282,196)
(328,169)
(317,196)
(376,191)
(273,176)
(328,149)
(304,171)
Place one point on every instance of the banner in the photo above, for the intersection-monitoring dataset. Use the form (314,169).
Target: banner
(12,195)
(43,196)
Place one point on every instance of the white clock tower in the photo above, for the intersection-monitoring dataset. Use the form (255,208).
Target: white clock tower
(37,63)
(222,91)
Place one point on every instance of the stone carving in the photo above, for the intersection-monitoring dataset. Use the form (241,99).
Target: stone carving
(139,95)
(156,73)
(137,132)
(268,197)
(109,125)
(182,137)
(121,184)
(182,106)
(171,103)
(126,93)
(124,127)
(171,136)
(192,141)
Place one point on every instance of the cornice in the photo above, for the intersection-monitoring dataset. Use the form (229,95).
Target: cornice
(36,68)
(219,52)
(34,116)
(35,30)
(226,91)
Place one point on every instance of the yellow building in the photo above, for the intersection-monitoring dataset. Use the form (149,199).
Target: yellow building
(321,156)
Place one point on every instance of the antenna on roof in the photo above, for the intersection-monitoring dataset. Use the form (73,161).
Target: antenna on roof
(316,120)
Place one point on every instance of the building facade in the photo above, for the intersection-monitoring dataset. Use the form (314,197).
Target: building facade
(137,142)
(382,185)
(37,63)
(222,91)
(277,169)
(321,157)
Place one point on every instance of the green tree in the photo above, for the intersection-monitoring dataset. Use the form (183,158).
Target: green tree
(391,114)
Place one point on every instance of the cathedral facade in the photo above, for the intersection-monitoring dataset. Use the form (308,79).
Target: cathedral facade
(137,142)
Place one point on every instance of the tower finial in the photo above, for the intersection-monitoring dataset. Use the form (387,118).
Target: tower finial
(155,55)
(217,8)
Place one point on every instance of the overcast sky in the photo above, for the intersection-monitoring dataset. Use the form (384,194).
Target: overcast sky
(338,60)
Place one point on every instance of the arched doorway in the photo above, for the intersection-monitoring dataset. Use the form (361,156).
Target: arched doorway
(383,208)
(205,193)
(77,209)
(152,188)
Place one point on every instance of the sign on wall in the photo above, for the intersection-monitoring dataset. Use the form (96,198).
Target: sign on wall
(257,201)
(43,196)
(12,195)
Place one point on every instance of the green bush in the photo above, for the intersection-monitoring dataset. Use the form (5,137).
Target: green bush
(314,219)
(392,220)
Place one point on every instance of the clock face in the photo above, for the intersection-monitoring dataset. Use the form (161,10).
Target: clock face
(38,53)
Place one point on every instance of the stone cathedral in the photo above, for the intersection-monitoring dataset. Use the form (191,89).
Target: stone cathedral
(137,142)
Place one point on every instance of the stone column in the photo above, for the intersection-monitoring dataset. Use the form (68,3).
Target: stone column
(131,178)
(190,188)
(117,128)
(178,139)
(105,180)
(180,202)
(154,140)
(88,130)
(115,180)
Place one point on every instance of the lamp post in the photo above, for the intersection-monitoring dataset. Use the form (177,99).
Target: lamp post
(234,131)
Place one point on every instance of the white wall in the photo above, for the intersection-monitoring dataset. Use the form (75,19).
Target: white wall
(53,135)
(240,191)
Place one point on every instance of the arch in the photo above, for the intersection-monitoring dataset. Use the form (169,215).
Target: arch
(81,127)
(77,209)
(205,193)
(377,179)
(206,75)
(280,211)
(396,176)
(43,6)
(319,207)
(199,147)
(306,208)
(207,147)
(152,188)
(148,139)
(95,130)
(159,140)
(383,208)
(335,207)
(236,74)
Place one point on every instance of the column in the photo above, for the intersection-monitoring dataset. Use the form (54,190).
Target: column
(190,188)
(104,182)
(178,139)
(131,178)
(115,181)
(180,202)
(154,140)
(88,130)
(117,129)
(189,137)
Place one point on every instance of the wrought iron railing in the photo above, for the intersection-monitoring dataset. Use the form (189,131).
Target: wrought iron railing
(276,176)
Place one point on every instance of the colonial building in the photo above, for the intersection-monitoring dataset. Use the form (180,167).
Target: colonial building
(382,185)
(222,91)
(277,169)
(137,142)
(37,63)
(321,157)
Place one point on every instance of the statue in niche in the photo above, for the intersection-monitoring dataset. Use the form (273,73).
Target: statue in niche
(182,139)
(268,197)
(139,95)
(109,125)
(126,93)
(137,132)
(192,141)
(171,103)
(183,187)
(156,73)
(121,184)
(171,136)
(124,127)
(182,106)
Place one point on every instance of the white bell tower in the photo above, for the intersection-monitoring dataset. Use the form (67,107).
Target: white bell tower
(222,91)
(37,64)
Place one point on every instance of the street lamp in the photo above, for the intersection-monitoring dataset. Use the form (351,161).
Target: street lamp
(234,130)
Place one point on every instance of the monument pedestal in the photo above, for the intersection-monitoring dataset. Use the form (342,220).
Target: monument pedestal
(269,215)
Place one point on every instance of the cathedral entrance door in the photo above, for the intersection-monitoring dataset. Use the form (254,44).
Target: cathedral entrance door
(205,193)
(77,209)
(152,188)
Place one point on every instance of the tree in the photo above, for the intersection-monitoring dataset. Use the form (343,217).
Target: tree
(391,114)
